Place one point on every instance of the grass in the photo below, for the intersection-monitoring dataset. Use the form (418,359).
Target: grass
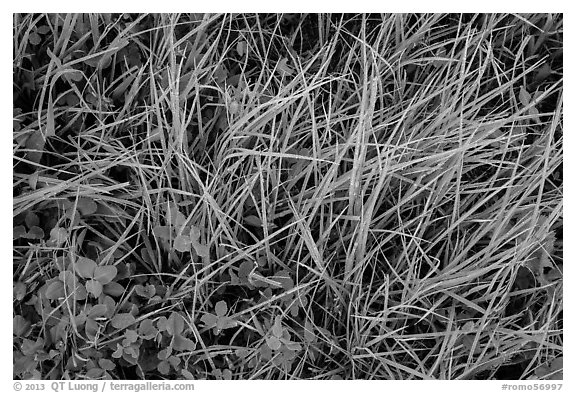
(288,196)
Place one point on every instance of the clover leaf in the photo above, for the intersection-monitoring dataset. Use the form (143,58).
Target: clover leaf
(218,321)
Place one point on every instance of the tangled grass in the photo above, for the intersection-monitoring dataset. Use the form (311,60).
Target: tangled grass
(288,196)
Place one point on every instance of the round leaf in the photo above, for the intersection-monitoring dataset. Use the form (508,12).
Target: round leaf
(32,220)
(146,330)
(105,274)
(19,290)
(20,325)
(106,364)
(147,291)
(202,250)
(34,233)
(85,267)
(94,287)
(164,367)
(180,343)
(91,328)
(182,243)
(122,320)
(221,308)
(244,271)
(18,232)
(175,324)
(273,343)
(55,290)
(209,320)
(99,310)
(58,236)
(194,233)
(253,221)
(86,206)
(113,289)
(163,232)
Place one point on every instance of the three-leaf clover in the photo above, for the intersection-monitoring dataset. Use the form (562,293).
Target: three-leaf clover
(218,321)
(182,236)
(280,337)
(96,276)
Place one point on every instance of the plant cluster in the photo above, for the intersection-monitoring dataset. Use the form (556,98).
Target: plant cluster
(287,196)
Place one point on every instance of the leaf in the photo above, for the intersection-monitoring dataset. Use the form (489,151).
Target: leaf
(201,250)
(557,364)
(277,326)
(253,221)
(309,335)
(18,232)
(34,38)
(35,233)
(94,287)
(180,343)
(147,292)
(194,233)
(106,364)
(118,352)
(19,290)
(105,274)
(524,96)
(122,320)
(273,343)
(146,330)
(209,320)
(79,319)
(55,290)
(182,243)
(244,271)
(175,324)
(177,219)
(265,352)
(99,310)
(130,337)
(163,232)
(225,323)
(30,347)
(33,180)
(110,306)
(19,325)
(284,278)
(86,206)
(161,323)
(284,68)
(58,236)
(165,353)
(242,353)
(32,220)
(164,367)
(174,361)
(91,328)
(226,374)
(35,146)
(85,267)
(131,354)
(292,346)
(221,308)
(241,47)
(72,75)
(113,289)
